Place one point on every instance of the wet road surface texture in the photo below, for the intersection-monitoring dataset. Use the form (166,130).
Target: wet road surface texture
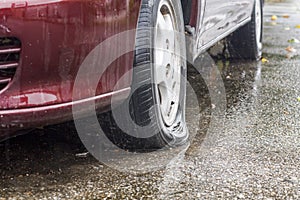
(253,152)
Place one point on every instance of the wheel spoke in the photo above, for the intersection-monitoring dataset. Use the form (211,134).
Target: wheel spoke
(164,101)
(170,33)
(258,23)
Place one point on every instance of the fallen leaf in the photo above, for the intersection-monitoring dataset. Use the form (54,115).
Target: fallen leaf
(287,28)
(293,40)
(298,26)
(298,99)
(289,56)
(290,49)
(274,17)
(285,16)
(264,60)
(273,23)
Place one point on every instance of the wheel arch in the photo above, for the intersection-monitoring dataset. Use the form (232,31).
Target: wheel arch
(190,11)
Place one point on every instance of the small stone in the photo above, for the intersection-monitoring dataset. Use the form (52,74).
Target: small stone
(273,194)
(294,179)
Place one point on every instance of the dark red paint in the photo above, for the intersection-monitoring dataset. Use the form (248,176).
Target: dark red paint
(56,36)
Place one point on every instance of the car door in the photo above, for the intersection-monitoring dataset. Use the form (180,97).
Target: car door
(243,10)
(218,18)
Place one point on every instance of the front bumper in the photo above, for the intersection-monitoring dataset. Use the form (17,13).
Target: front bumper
(13,120)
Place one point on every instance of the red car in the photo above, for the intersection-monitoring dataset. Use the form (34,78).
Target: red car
(43,44)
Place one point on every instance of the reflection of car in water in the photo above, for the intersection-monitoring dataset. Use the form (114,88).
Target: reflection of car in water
(43,43)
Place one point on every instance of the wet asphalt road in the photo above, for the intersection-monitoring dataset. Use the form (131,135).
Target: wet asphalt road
(251,152)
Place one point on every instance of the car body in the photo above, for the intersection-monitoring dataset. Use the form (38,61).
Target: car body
(43,43)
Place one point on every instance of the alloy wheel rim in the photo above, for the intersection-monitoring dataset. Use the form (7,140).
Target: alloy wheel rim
(167,63)
(258,21)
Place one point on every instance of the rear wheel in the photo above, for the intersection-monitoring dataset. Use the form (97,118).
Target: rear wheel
(154,115)
(246,43)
